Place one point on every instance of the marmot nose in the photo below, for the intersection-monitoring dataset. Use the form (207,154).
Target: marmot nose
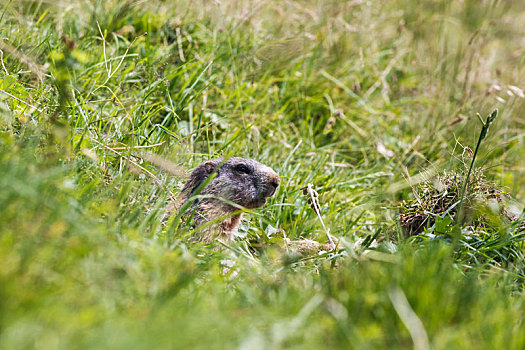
(273,184)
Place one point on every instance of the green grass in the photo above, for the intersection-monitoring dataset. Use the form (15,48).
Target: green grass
(104,105)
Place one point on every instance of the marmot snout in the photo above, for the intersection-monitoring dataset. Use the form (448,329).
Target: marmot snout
(244,182)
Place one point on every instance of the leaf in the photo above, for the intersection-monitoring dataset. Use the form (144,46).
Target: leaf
(442,225)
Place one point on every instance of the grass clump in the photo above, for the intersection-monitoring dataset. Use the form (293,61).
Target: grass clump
(493,233)
(493,230)
(441,196)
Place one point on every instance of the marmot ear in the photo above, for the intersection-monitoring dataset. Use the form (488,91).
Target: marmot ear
(210,166)
(201,173)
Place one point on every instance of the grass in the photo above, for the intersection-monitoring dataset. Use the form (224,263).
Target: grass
(104,106)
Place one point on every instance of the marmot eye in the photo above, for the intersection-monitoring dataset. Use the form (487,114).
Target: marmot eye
(243,169)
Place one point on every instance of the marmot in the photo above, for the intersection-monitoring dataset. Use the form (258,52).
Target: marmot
(238,183)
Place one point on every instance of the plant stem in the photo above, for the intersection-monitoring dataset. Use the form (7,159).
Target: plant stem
(465,183)
(482,135)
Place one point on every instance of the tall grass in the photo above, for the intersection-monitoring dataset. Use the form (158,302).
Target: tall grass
(104,106)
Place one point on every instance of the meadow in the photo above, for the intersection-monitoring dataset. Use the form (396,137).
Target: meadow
(379,106)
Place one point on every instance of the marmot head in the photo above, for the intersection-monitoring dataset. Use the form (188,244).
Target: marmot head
(245,182)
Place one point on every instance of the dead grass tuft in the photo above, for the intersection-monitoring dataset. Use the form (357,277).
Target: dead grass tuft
(440,196)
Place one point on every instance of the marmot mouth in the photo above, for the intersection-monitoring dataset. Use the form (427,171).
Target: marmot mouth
(257,203)
(267,191)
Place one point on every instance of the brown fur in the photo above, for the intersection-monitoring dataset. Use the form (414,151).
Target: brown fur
(238,183)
